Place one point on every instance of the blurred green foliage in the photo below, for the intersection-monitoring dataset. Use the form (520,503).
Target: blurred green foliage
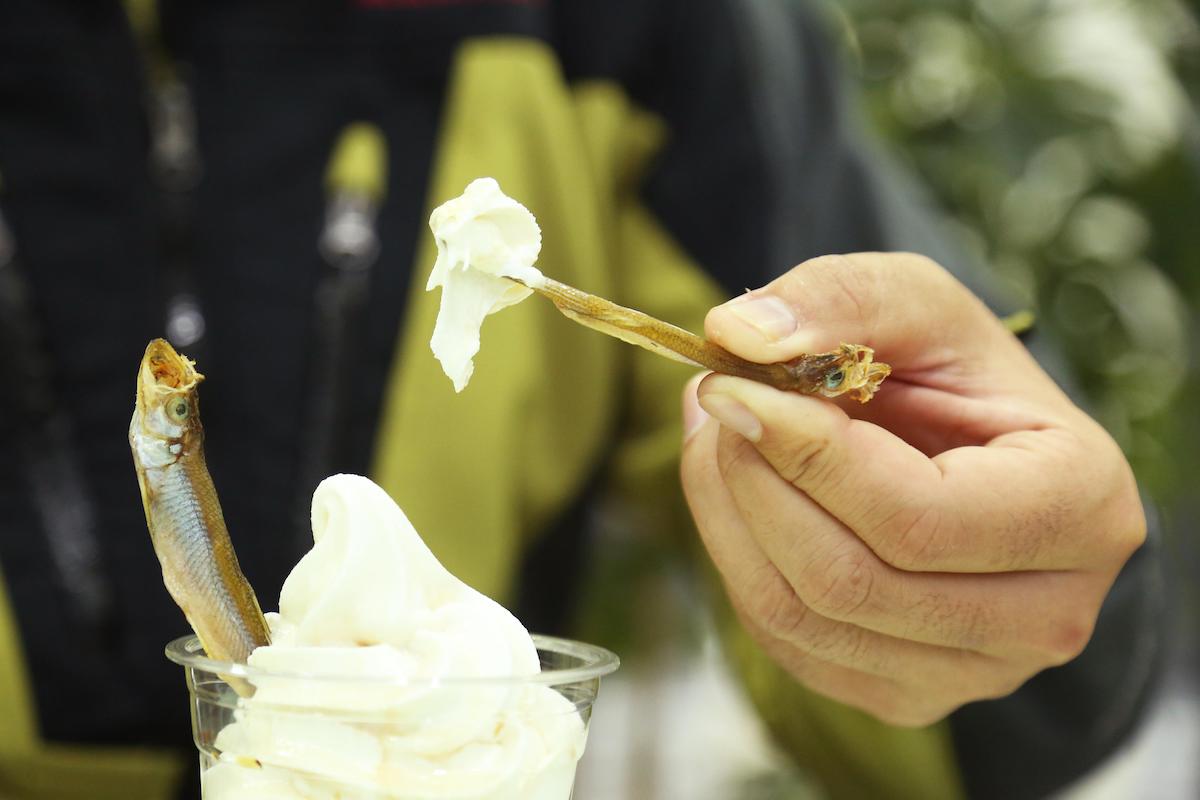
(1061,139)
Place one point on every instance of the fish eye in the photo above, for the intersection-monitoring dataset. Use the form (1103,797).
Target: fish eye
(177,409)
(834,379)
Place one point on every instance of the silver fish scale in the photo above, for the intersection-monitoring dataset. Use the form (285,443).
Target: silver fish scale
(179,512)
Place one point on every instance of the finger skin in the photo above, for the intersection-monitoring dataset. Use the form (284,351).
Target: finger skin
(1031,491)
(918,318)
(934,420)
(886,699)
(762,594)
(865,298)
(938,545)
(883,698)
(739,561)
(1015,616)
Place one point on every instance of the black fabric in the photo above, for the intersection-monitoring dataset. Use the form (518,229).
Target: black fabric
(72,161)
(1066,720)
(760,170)
(547,590)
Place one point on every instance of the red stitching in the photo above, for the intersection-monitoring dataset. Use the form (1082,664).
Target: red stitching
(397,4)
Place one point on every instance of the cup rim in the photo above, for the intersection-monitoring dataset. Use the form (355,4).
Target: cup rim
(596,662)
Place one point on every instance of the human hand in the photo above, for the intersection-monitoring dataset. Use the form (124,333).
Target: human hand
(939,545)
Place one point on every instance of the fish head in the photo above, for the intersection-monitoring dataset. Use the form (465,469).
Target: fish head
(166,415)
(851,369)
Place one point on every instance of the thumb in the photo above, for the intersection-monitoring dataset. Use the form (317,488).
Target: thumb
(904,305)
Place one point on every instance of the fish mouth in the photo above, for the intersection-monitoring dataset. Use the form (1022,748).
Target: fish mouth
(861,373)
(864,376)
(165,372)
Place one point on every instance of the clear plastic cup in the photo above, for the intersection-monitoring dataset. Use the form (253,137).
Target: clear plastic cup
(269,734)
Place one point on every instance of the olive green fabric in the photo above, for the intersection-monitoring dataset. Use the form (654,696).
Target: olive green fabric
(482,472)
(469,469)
(852,754)
(359,162)
(31,769)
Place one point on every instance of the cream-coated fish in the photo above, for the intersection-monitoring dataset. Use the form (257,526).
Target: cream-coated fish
(187,528)
(851,369)
(487,245)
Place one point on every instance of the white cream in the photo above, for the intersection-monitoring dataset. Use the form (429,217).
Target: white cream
(371,601)
(482,237)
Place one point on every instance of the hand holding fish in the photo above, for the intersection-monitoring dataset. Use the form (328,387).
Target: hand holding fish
(937,546)
(848,369)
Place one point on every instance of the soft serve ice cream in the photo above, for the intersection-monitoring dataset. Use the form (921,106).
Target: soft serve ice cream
(483,237)
(376,682)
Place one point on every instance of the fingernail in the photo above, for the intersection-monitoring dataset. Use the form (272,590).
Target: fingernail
(732,414)
(694,416)
(769,315)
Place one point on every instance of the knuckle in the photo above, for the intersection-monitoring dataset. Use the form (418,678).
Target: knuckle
(834,642)
(858,281)
(887,710)
(910,538)
(923,263)
(734,455)
(1002,686)
(774,607)
(990,677)
(921,272)
(857,645)
(1110,497)
(1068,638)
(853,281)
(1130,527)
(905,714)
(838,586)
(793,661)
(806,462)
(855,285)
(1134,536)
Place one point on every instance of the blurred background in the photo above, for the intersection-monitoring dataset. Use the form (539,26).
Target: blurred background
(1062,140)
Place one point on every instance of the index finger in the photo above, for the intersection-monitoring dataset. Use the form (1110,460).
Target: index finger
(1004,507)
(917,317)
